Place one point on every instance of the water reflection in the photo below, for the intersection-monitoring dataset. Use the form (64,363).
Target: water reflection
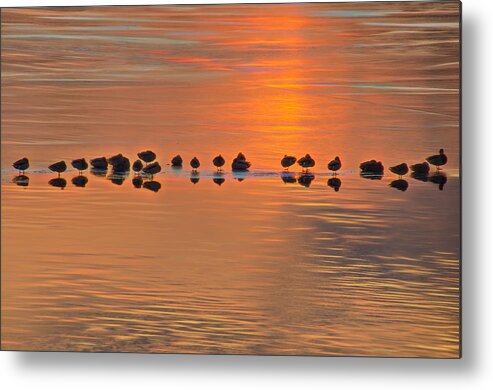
(439,178)
(420,176)
(371,176)
(99,172)
(21,180)
(218,180)
(59,182)
(399,184)
(152,185)
(335,183)
(118,178)
(306,179)
(240,175)
(80,181)
(137,182)
(288,177)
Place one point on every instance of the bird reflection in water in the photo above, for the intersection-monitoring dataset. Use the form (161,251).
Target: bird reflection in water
(439,178)
(335,183)
(218,178)
(372,176)
(152,185)
(21,180)
(80,181)
(137,182)
(118,179)
(99,172)
(58,182)
(420,176)
(399,184)
(288,178)
(306,179)
(194,177)
(240,175)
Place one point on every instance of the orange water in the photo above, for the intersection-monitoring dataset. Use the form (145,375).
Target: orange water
(253,266)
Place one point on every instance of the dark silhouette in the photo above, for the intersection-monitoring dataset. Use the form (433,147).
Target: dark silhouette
(420,176)
(335,165)
(152,185)
(119,163)
(21,165)
(99,172)
(194,179)
(306,179)
(152,169)
(58,167)
(371,167)
(420,168)
(21,180)
(288,161)
(306,163)
(177,161)
(219,162)
(58,182)
(148,156)
(99,163)
(335,183)
(438,159)
(240,163)
(80,164)
(288,178)
(438,178)
(80,181)
(399,184)
(400,170)
(137,166)
(137,182)
(194,163)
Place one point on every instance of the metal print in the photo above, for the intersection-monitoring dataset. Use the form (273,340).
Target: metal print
(268,179)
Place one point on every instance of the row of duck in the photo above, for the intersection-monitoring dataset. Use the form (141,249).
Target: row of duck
(304,179)
(146,164)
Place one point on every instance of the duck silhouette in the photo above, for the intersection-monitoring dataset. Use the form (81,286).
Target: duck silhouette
(58,182)
(399,184)
(419,176)
(119,163)
(335,165)
(219,162)
(117,179)
(306,162)
(240,163)
(21,165)
(137,166)
(438,159)
(371,167)
(400,170)
(177,161)
(438,178)
(420,168)
(152,185)
(218,180)
(152,168)
(147,156)
(99,163)
(80,181)
(306,179)
(195,164)
(58,167)
(335,183)
(137,182)
(288,161)
(80,164)
(21,180)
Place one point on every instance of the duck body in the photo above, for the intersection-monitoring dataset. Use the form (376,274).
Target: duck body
(22,164)
(240,163)
(152,169)
(80,164)
(147,155)
(306,162)
(420,168)
(335,164)
(58,167)
(137,166)
(152,185)
(119,163)
(177,161)
(371,167)
(99,163)
(194,163)
(219,161)
(401,169)
(288,161)
(438,159)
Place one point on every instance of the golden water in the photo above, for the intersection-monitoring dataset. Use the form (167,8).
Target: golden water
(253,266)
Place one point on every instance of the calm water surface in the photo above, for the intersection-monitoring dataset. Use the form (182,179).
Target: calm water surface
(254,265)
